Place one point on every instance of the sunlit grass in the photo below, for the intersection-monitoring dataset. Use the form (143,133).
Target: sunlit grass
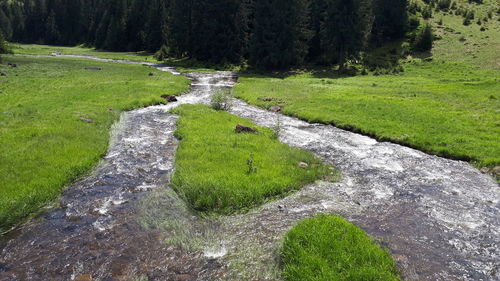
(33,49)
(326,248)
(448,109)
(220,171)
(43,143)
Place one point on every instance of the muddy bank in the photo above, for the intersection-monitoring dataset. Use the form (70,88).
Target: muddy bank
(440,218)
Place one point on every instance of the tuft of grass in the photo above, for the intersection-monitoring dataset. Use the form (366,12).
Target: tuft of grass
(221,100)
(220,171)
(44,143)
(326,248)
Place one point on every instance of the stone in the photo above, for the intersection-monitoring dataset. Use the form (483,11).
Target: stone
(275,108)
(86,120)
(151,74)
(93,68)
(12,65)
(84,277)
(3,74)
(496,171)
(244,129)
(169,98)
(303,165)
(401,258)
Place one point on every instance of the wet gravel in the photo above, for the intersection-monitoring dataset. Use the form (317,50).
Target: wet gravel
(440,218)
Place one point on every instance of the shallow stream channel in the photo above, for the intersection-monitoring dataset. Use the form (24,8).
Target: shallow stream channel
(439,218)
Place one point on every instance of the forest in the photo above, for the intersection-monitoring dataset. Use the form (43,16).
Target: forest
(265,34)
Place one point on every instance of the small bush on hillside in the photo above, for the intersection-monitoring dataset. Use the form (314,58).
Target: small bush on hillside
(4,48)
(468,17)
(162,53)
(221,100)
(424,39)
(427,12)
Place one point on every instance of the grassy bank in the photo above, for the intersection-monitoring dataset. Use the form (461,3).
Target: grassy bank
(44,144)
(33,49)
(182,65)
(448,109)
(445,105)
(220,171)
(327,248)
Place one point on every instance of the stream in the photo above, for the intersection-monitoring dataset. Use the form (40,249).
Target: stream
(440,218)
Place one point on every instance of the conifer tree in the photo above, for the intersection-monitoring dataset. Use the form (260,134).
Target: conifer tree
(391,19)
(280,36)
(345,29)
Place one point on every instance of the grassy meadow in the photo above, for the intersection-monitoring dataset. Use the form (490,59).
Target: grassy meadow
(33,49)
(326,248)
(44,144)
(445,103)
(220,171)
(182,65)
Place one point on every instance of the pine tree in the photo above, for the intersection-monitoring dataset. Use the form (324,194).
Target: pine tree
(424,39)
(5,25)
(180,27)
(52,36)
(280,36)
(391,19)
(4,48)
(345,29)
(217,31)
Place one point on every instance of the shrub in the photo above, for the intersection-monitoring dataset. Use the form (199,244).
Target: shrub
(4,48)
(221,100)
(424,39)
(162,53)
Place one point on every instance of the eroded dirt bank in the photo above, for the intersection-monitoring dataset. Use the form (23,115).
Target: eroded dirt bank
(440,218)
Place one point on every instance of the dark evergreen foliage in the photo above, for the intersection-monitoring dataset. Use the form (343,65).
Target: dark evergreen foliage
(269,34)
(424,39)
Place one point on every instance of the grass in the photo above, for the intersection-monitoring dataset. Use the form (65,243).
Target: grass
(468,44)
(221,172)
(44,145)
(182,65)
(328,248)
(446,105)
(33,49)
(447,109)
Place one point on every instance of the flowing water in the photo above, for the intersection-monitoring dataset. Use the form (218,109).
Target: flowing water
(440,218)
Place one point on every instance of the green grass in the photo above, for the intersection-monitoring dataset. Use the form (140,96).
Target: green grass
(182,65)
(468,44)
(328,248)
(447,105)
(444,108)
(213,173)
(33,49)
(43,143)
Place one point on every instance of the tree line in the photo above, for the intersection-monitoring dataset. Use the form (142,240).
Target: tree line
(268,34)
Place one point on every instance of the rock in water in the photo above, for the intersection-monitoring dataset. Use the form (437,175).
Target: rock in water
(169,98)
(303,165)
(275,108)
(244,129)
